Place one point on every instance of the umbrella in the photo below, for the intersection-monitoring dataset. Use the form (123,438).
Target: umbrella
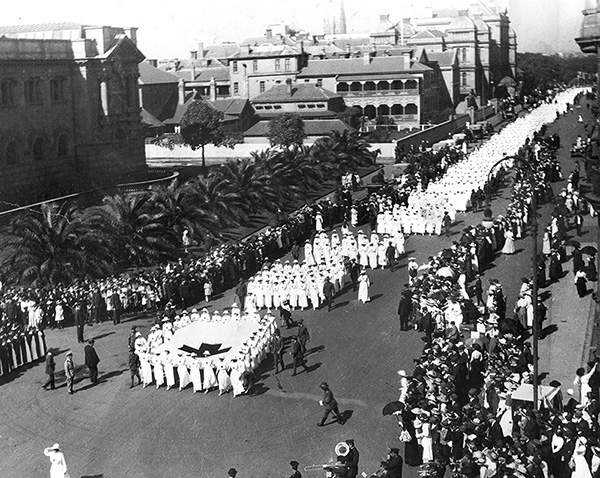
(392,408)
(589,250)
(572,243)
(437,295)
(424,267)
(447,254)
(445,272)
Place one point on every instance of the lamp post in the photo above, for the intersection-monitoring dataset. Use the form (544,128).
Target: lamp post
(522,165)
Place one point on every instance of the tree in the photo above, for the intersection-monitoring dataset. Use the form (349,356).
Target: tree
(286,130)
(201,125)
(55,245)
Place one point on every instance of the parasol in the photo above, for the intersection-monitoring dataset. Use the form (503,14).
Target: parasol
(589,250)
(445,272)
(424,267)
(573,243)
(392,408)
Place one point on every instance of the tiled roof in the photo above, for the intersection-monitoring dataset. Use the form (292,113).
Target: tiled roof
(180,110)
(230,106)
(300,92)
(427,34)
(304,114)
(151,120)
(222,51)
(149,75)
(220,74)
(443,58)
(350,66)
(274,40)
(311,127)
(266,51)
(40,27)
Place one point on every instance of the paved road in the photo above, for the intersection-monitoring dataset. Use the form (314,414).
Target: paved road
(110,430)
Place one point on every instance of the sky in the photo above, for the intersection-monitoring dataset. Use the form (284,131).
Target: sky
(170,28)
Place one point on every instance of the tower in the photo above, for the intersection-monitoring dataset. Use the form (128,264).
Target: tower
(342,20)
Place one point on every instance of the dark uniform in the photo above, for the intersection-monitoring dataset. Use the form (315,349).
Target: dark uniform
(91,360)
(50,369)
(298,356)
(330,404)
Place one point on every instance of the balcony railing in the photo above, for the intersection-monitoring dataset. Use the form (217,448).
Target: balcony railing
(377,93)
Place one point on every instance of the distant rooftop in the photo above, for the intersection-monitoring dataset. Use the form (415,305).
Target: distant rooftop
(300,92)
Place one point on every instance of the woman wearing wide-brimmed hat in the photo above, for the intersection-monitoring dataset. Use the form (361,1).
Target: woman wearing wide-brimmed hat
(58,465)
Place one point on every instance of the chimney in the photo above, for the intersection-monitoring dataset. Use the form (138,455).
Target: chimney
(181,86)
(288,86)
(194,54)
(201,50)
(131,32)
(269,33)
(153,62)
(213,89)
(374,49)
(192,71)
(348,50)
(406,58)
(245,50)
(366,57)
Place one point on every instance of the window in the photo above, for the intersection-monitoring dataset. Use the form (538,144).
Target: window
(310,106)
(236,88)
(301,106)
(257,107)
(277,64)
(277,107)
(287,64)
(261,86)
(268,107)
(319,82)
(39,149)
(464,55)
(464,81)
(12,153)
(62,147)
(7,93)
(320,105)
(57,90)
(255,65)
(235,66)
(33,93)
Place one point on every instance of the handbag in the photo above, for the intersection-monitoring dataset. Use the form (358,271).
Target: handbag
(405,436)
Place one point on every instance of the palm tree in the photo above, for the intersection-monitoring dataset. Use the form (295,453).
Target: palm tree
(140,228)
(55,245)
(253,183)
(349,150)
(182,212)
(214,193)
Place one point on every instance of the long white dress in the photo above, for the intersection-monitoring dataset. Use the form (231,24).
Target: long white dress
(210,379)
(236,381)
(169,371)
(159,373)
(146,368)
(363,288)
(58,465)
(582,469)
(509,243)
(183,373)
(195,376)
(223,378)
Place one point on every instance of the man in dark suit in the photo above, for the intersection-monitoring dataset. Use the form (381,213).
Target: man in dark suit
(393,464)
(354,270)
(328,291)
(330,404)
(351,460)
(303,335)
(91,360)
(390,255)
(50,369)
(298,356)
(404,309)
(80,319)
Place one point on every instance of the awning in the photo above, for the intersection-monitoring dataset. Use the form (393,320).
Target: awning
(525,392)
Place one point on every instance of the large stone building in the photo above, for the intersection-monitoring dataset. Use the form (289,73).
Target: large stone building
(70,110)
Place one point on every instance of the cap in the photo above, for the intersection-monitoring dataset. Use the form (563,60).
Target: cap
(294,464)
(56,446)
(350,441)
(69,352)
(324,385)
(394,450)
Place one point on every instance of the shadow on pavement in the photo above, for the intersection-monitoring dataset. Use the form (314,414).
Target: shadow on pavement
(548,330)
(101,336)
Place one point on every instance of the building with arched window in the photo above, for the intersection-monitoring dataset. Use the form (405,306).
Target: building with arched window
(69,110)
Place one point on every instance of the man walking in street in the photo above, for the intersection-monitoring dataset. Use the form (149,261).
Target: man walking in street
(240,291)
(91,360)
(134,367)
(50,369)
(478,290)
(80,319)
(277,348)
(298,356)
(303,335)
(328,291)
(446,223)
(390,254)
(354,270)
(404,309)
(69,371)
(329,403)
